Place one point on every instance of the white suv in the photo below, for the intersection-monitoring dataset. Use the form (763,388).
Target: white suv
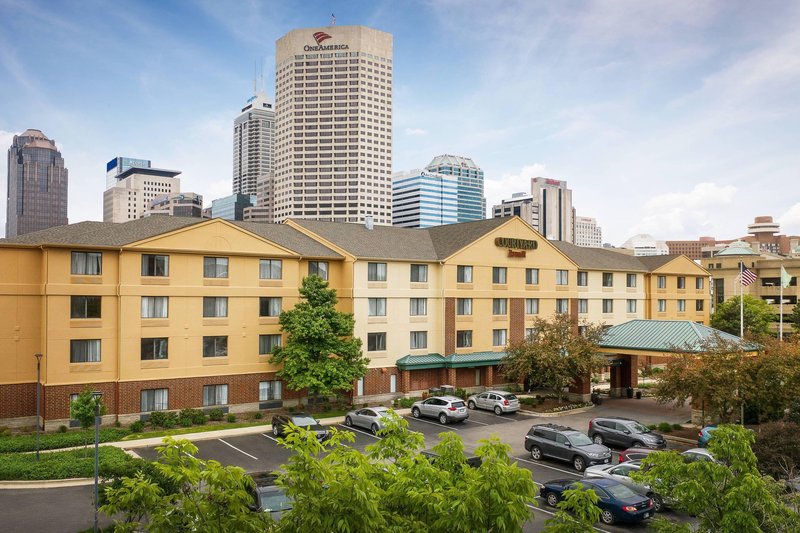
(445,408)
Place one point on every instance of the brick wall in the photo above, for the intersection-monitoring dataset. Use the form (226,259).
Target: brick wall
(423,379)
(449,326)
(18,400)
(516,320)
(56,398)
(377,381)
(465,377)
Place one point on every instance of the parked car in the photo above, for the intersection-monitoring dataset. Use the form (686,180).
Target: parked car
(303,420)
(268,497)
(705,435)
(370,418)
(565,444)
(635,454)
(621,473)
(624,432)
(697,454)
(617,502)
(445,408)
(472,460)
(494,400)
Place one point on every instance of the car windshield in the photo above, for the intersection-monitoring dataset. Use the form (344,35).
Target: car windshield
(458,404)
(303,421)
(579,439)
(620,491)
(509,397)
(275,501)
(638,428)
(382,413)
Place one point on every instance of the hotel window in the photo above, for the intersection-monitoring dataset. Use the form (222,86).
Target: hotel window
(583,305)
(269,390)
(84,307)
(376,342)
(464,274)
(499,275)
(464,306)
(155,265)
(608,279)
(530,332)
(698,305)
(499,306)
(270,306)
(583,279)
(377,306)
(608,305)
(662,282)
(84,351)
(499,337)
(270,269)
(562,277)
(662,306)
(562,305)
(630,280)
(86,263)
(154,349)
(419,340)
(155,306)
(318,268)
(681,282)
(531,306)
(631,306)
(215,267)
(215,395)
(154,400)
(215,346)
(699,283)
(266,343)
(681,306)
(392,383)
(464,338)
(531,276)
(376,271)
(215,306)
(419,307)
(419,273)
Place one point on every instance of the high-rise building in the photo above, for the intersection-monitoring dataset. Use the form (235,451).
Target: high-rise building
(118,165)
(37,184)
(182,204)
(423,199)
(263,210)
(588,233)
(555,208)
(471,199)
(644,244)
(133,191)
(253,132)
(333,125)
(520,205)
(232,207)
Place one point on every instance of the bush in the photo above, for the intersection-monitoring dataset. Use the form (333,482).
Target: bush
(258,415)
(137,426)
(231,418)
(652,426)
(54,441)
(778,449)
(665,427)
(114,462)
(189,417)
(461,393)
(117,424)
(216,414)
(163,419)
(677,427)
(62,428)
(405,403)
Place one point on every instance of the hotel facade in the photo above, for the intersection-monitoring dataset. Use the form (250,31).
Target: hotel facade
(169,313)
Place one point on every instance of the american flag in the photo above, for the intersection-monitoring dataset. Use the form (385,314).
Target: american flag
(746,277)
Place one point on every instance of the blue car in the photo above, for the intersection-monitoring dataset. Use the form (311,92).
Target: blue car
(617,502)
(704,436)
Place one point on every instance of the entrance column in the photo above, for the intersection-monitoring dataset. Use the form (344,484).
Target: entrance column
(580,390)
(489,381)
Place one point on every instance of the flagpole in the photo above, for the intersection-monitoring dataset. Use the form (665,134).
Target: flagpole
(780,318)
(741,299)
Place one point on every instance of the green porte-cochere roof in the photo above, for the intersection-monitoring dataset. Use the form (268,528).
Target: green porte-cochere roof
(456,360)
(665,336)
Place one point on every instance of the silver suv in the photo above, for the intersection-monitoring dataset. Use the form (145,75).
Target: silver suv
(445,408)
(494,400)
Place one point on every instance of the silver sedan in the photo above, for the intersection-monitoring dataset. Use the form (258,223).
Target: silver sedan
(370,418)
(621,473)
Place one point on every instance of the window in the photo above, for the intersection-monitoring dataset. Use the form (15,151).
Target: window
(464,338)
(681,282)
(393,383)
(318,268)
(86,264)
(699,283)
(662,306)
(530,332)
(499,337)
(155,265)
(531,306)
(631,307)
(419,307)
(499,306)
(419,340)
(215,346)
(464,274)
(562,305)
(84,351)
(662,282)
(215,267)
(155,306)
(376,271)
(499,275)
(583,305)
(608,279)
(608,305)
(84,307)
(154,400)
(698,305)
(266,343)
(376,342)
(269,390)
(270,269)
(419,273)
(562,277)
(531,276)
(215,395)
(154,349)
(377,306)
(630,280)
(681,306)
(583,279)
(215,306)
(270,306)
(464,306)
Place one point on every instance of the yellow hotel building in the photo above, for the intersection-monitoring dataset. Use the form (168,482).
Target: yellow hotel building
(169,313)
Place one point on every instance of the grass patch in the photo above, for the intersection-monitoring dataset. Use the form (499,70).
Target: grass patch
(68,464)
(54,441)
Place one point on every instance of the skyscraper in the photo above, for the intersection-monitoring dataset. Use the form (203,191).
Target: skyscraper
(588,233)
(471,200)
(422,199)
(37,184)
(253,132)
(118,165)
(134,189)
(556,217)
(333,125)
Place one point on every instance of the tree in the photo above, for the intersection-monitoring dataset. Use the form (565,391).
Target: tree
(320,354)
(728,494)
(83,407)
(778,449)
(556,355)
(794,318)
(757,316)
(577,512)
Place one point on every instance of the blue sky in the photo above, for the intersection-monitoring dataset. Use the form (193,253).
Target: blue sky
(674,118)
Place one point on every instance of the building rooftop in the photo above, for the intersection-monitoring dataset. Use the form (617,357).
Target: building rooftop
(160,172)
(667,336)
(737,248)
(600,258)
(453,161)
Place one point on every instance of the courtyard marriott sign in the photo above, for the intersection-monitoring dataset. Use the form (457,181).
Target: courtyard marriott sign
(516,244)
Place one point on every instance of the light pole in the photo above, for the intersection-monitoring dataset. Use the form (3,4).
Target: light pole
(97,398)
(38,357)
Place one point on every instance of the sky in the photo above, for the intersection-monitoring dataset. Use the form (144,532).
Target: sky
(675,118)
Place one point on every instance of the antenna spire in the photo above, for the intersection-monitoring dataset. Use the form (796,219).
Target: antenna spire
(255,69)
(333,19)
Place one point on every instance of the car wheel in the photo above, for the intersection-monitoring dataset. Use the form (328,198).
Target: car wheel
(658,503)
(552,499)
(497,410)
(637,444)
(275,430)
(415,412)
(348,421)
(598,438)
(607,517)
(471,404)
(443,418)
(536,453)
(374,428)
(579,463)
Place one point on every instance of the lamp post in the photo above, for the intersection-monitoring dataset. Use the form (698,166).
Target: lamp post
(97,398)
(38,357)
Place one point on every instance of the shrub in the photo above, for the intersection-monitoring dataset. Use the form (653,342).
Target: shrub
(137,426)
(461,393)
(231,418)
(258,415)
(652,426)
(117,424)
(68,464)
(54,441)
(189,417)
(778,449)
(665,427)
(405,403)
(163,419)
(216,414)
(62,428)
(677,427)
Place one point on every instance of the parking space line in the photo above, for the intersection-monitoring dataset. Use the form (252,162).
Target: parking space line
(548,466)
(432,423)
(351,428)
(238,450)
(552,513)
(270,437)
(476,422)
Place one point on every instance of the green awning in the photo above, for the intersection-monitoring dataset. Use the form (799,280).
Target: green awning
(421,362)
(456,360)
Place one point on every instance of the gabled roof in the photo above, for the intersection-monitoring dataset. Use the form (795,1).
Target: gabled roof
(288,237)
(454,360)
(666,336)
(654,262)
(451,238)
(600,258)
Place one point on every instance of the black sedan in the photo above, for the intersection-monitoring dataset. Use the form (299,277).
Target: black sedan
(303,420)
(617,502)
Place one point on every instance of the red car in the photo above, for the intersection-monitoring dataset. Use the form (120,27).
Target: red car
(634,454)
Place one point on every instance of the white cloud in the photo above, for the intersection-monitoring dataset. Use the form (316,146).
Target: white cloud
(416,132)
(499,189)
(790,220)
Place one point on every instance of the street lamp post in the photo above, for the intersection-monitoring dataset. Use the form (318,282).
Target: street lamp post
(38,357)
(97,397)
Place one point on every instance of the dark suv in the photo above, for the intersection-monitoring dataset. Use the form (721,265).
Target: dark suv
(566,444)
(624,432)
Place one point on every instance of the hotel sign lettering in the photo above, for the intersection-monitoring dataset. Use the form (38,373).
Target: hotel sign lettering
(516,244)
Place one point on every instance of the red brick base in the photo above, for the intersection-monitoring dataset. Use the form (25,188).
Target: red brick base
(17,400)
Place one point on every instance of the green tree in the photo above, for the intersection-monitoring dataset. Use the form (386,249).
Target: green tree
(778,449)
(82,408)
(577,512)
(320,353)
(728,494)
(556,355)
(757,316)
(794,318)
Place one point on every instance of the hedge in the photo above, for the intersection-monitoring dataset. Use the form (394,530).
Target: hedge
(54,441)
(114,462)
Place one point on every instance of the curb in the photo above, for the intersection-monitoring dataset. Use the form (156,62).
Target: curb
(679,440)
(560,413)
(46,483)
